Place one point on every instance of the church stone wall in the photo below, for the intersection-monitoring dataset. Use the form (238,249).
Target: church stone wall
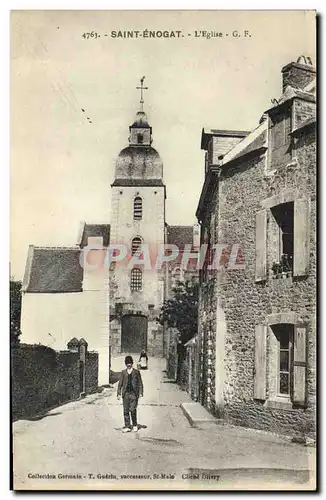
(150,228)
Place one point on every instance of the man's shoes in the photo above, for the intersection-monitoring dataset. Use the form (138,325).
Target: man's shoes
(135,428)
(126,429)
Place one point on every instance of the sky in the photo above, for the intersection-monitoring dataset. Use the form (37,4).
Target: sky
(62,165)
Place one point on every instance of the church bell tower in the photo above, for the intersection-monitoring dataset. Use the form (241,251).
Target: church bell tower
(138,220)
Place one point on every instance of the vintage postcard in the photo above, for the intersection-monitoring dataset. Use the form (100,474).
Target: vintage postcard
(163,250)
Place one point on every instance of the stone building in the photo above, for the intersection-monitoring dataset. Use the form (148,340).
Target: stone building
(183,268)
(115,307)
(256,344)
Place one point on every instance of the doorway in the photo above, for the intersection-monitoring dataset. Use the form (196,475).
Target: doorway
(134,333)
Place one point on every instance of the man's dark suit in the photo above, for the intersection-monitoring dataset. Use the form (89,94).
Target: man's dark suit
(130,399)
(137,383)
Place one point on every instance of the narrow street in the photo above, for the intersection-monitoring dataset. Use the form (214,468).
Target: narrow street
(85,438)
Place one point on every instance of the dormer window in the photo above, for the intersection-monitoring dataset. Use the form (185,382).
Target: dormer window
(280,138)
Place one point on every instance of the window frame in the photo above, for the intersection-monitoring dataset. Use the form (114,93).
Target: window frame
(277,212)
(276,328)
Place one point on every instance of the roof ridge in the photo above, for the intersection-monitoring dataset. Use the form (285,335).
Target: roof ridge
(238,148)
(75,247)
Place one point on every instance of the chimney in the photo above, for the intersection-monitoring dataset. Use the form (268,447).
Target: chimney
(298,74)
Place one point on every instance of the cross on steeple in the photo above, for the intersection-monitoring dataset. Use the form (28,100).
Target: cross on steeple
(141,88)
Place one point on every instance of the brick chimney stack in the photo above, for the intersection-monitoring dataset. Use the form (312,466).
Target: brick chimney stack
(298,74)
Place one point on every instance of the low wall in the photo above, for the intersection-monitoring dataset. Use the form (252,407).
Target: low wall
(42,378)
(171,354)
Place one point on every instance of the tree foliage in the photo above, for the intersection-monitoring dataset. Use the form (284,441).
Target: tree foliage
(15,311)
(181,311)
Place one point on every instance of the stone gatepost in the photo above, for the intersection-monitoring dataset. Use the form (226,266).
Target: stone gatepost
(82,363)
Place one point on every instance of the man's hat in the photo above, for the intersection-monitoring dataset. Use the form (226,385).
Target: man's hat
(128,360)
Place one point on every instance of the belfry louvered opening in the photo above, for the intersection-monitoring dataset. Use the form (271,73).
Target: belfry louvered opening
(135,245)
(138,208)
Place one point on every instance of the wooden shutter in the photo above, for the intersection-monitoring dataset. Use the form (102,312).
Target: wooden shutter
(299,364)
(261,236)
(301,237)
(260,362)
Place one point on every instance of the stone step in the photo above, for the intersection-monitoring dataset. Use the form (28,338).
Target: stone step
(197,415)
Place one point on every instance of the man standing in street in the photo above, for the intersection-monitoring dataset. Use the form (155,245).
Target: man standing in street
(131,388)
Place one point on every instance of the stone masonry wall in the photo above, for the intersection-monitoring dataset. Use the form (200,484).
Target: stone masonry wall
(43,378)
(247,303)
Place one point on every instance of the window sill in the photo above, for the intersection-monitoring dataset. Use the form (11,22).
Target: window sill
(279,403)
(292,163)
(287,274)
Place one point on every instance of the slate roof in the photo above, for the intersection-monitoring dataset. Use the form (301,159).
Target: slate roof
(53,270)
(180,235)
(141,121)
(91,230)
(292,93)
(254,142)
(139,162)
(258,143)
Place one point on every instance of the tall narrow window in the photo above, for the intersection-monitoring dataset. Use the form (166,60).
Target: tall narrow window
(138,208)
(284,336)
(284,216)
(135,245)
(140,138)
(136,280)
(176,276)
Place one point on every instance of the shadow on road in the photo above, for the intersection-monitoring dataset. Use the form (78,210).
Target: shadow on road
(140,426)
(40,417)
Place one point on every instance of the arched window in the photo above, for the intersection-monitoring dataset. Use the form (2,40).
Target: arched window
(136,280)
(138,208)
(135,244)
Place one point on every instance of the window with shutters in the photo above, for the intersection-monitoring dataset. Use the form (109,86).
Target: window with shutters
(138,208)
(135,245)
(283,237)
(136,280)
(284,338)
(281,364)
(284,217)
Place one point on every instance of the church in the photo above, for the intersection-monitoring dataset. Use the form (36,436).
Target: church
(114,307)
